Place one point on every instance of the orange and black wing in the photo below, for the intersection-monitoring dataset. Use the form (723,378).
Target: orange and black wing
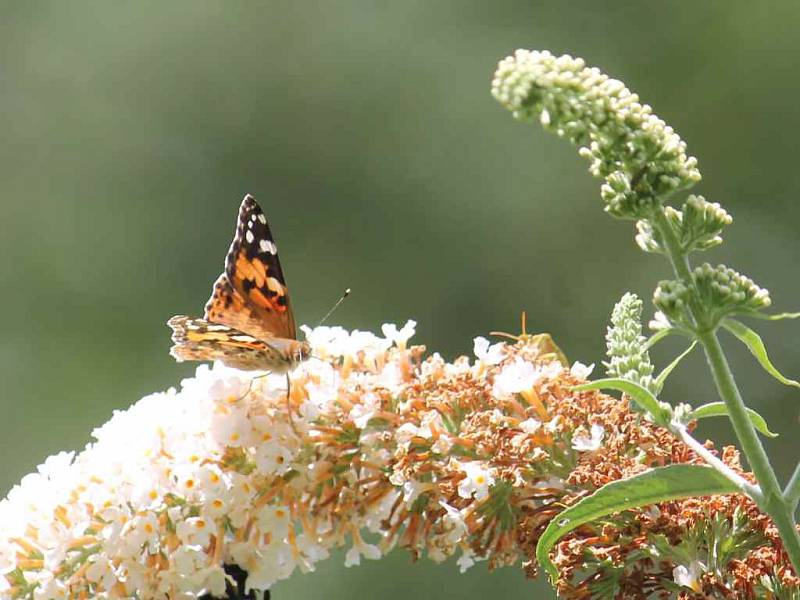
(251,294)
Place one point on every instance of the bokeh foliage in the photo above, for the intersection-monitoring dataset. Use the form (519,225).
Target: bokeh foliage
(367,132)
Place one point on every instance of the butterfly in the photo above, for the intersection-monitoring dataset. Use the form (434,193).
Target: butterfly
(248,322)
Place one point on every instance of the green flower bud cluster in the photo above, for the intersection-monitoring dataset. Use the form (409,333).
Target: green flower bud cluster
(671,298)
(727,291)
(720,289)
(626,346)
(697,226)
(701,224)
(639,156)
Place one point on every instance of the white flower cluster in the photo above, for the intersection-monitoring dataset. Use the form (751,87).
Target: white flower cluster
(172,488)
(232,469)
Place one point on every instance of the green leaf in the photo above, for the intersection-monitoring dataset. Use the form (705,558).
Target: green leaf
(778,317)
(755,344)
(656,485)
(657,337)
(719,409)
(638,394)
(662,377)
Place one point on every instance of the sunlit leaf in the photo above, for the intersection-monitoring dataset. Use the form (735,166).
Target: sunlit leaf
(656,485)
(657,337)
(637,393)
(719,409)
(756,345)
(777,317)
(662,377)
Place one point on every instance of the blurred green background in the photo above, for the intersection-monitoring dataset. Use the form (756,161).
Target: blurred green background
(131,131)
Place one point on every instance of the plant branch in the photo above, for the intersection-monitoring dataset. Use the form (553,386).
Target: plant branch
(792,492)
(769,497)
(745,486)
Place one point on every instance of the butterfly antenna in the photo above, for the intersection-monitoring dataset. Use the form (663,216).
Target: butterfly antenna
(334,307)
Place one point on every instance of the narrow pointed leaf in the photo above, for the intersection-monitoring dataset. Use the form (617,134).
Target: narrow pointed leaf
(657,337)
(656,485)
(662,377)
(637,393)
(756,345)
(778,317)
(719,409)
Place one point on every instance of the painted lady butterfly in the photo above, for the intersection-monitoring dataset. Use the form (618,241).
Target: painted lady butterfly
(248,322)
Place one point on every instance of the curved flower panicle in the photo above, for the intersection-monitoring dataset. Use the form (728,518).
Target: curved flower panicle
(639,156)
(626,346)
(374,447)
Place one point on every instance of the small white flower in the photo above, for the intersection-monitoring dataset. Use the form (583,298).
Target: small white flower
(659,322)
(194,530)
(274,520)
(580,370)
(431,424)
(326,341)
(488,354)
(363,412)
(310,553)
(477,481)
(689,576)
(214,581)
(142,530)
(497,418)
(454,520)
(359,549)
(231,427)
(365,341)
(552,425)
(320,395)
(399,336)
(530,426)
(273,458)
(102,571)
(48,588)
(405,433)
(443,444)
(390,377)
(412,489)
(186,562)
(517,376)
(589,443)
(380,513)
(466,560)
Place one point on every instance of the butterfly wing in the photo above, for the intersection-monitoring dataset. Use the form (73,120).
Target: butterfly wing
(251,294)
(198,339)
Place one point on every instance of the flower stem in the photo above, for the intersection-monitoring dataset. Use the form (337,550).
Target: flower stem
(745,486)
(792,492)
(769,498)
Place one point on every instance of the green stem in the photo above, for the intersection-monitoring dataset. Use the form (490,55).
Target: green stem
(770,498)
(745,486)
(771,501)
(792,492)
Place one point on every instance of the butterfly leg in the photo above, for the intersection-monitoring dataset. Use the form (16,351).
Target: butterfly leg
(289,401)
(250,385)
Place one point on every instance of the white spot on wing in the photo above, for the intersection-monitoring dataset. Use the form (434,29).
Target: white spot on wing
(262,218)
(243,338)
(249,236)
(267,247)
